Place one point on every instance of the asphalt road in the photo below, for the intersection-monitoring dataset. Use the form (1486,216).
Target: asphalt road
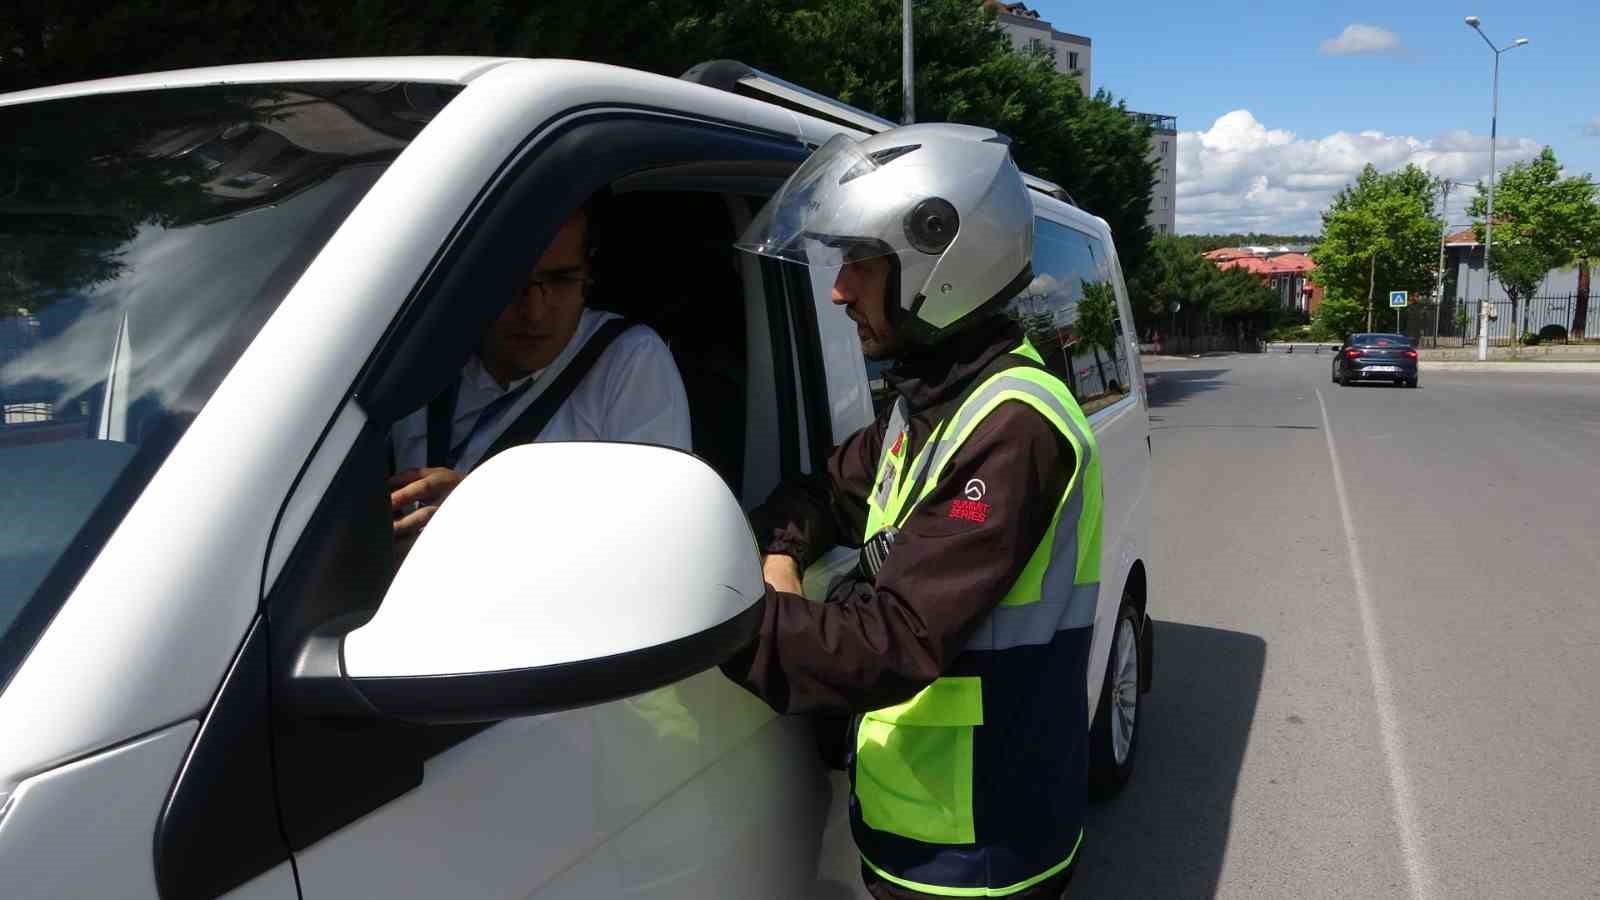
(1378,639)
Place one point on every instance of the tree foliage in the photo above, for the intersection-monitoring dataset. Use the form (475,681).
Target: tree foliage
(967,69)
(1548,218)
(1542,221)
(1337,318)
(1178,288)
(1379,235)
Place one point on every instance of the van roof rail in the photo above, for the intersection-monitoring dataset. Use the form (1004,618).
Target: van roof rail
(738,78)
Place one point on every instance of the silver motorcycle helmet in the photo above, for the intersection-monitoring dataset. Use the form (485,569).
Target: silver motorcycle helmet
(946,202)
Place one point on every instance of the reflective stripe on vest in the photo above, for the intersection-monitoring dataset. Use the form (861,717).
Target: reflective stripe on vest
(914,779)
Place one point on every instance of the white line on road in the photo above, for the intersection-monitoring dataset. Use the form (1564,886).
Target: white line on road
(1418,872)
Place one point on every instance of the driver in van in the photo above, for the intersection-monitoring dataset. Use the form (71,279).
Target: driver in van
(958,647)
(548,369)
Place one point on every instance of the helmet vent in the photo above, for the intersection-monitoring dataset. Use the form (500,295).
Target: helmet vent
(886,156)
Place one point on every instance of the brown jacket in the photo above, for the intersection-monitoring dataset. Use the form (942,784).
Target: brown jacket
(877,643)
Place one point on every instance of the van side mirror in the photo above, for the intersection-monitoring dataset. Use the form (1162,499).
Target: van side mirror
(556,575)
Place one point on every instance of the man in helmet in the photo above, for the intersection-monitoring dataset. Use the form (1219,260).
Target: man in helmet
(958,649)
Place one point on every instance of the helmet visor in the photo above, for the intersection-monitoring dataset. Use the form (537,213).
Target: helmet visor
(821,216)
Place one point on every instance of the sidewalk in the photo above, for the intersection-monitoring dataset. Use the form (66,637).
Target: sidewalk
(1551,367)
(1543,357)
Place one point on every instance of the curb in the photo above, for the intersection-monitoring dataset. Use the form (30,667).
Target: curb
(1429,365)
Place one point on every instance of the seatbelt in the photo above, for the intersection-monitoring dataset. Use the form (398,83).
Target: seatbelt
(527,426)
(441,412)
(442,408)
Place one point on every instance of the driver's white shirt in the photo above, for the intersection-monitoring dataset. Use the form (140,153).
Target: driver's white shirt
(633,393)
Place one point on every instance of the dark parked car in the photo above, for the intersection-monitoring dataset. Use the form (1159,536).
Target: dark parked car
(1376,357)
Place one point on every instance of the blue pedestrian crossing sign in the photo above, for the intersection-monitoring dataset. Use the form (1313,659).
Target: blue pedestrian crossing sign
(1397,299)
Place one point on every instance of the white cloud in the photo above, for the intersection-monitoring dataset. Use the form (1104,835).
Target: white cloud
(1362,39)
(1593,128)
(1239,175)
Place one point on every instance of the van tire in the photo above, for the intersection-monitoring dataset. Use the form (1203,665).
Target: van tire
(1113,747)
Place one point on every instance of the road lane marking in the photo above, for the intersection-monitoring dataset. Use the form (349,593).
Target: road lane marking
(1418,873)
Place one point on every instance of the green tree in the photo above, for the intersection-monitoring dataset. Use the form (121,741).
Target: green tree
(1337,318)
(1159,286)
(1178,285)
(1542,221)
(1244,301)
(1379,231)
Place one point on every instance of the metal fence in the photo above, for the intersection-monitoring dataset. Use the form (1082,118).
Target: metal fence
(1455,322)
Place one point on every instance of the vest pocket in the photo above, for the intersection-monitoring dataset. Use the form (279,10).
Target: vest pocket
(914,763)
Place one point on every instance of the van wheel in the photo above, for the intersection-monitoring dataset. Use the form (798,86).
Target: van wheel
(1114,737)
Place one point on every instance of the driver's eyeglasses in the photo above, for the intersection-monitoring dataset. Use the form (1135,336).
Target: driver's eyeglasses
(560,287)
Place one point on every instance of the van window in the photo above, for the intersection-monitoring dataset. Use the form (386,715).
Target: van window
(1070,314)
(144,240)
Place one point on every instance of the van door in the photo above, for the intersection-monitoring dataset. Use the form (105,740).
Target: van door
(1073,313)
(692,790)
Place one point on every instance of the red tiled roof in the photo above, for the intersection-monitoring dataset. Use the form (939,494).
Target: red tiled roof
(1464,236)
(1222,253)
(1282,264)
(1255,265)
(1292,262)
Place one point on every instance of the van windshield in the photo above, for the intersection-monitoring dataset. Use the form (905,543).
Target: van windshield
(144,240)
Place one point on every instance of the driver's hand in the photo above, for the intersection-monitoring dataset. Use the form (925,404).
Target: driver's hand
(783,573)
(423,489)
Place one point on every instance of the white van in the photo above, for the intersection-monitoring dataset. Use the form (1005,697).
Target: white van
(219,288)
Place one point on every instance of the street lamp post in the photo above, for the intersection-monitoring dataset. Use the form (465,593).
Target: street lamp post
(1476,24)
(907,98)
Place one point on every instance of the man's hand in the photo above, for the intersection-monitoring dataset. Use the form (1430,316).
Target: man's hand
(426,487)
(783,573)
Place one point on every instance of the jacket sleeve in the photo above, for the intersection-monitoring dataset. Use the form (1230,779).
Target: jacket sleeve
(804,517)
(876,644)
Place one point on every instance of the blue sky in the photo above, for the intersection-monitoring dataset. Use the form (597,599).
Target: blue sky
(1415,78)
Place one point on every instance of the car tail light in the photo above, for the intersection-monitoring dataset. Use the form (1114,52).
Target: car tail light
(1411,354)
(1352,354)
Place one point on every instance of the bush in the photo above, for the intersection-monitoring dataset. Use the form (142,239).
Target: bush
(1530,339)
(1290,331)
(1553,332)
(1337,317)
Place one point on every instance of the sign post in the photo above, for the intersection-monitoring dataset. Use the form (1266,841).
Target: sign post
(1397,302)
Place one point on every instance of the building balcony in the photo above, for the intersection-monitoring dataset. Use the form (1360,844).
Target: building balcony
(1156,120)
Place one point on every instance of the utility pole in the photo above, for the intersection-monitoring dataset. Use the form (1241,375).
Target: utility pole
(1444,231)
(908,98)
(1372,280)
